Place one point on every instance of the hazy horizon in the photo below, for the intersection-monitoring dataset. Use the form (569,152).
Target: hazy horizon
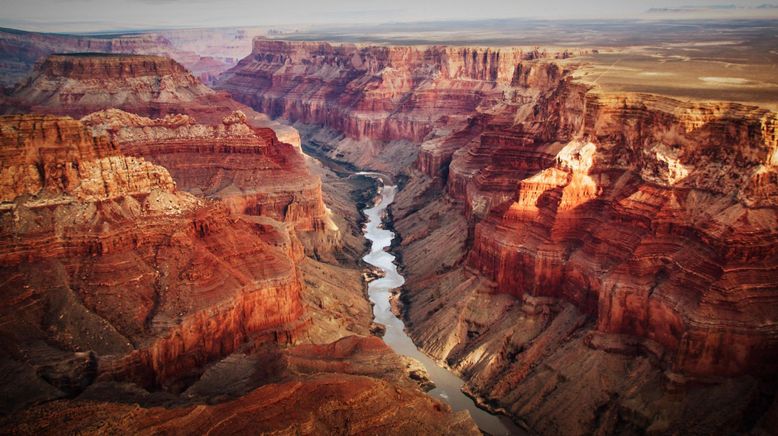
(107,15)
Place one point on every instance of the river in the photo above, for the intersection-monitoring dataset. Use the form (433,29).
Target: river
(448,385)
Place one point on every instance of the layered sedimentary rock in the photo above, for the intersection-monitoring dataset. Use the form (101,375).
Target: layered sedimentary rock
(120,289)
(350,395)
(657,218)
(248,168)
(376,95)
(624,246)
(212,145)
(102,257)
(611,251)
(81,83)
(195,49)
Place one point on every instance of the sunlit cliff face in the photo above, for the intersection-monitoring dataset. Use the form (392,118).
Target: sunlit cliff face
(570,173)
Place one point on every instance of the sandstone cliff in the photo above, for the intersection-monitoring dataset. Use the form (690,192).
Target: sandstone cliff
(102,255)
(197,49)
(248,168)
(363,396)
(633,235)
(613,251)
(119,289)
(81,83)
(378,95)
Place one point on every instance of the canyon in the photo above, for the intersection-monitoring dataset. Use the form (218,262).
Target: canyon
(149,260)
(589,261)
(588,258)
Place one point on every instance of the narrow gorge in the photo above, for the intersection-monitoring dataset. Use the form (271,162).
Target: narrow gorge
(557,238)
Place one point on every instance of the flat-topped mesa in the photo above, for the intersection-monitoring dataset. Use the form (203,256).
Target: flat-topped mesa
(81,220)
(655,216)
(384,94)
(82,66)
(246,167)
(453,62)
(26,49)
(78,84)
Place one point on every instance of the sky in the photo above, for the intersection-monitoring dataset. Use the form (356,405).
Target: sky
(102,15)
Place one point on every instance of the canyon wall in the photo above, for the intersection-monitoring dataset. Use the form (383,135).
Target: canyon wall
(196,49)
(248,168)
(378,95)
(655,218)
(161,262)
(103,255)
(212,145)
(81,83)
(633,235)
(559,242)
(120,289)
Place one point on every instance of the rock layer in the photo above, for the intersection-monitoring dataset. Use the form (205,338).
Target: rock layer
(81,83)
(196,49)
(248,168)
(614,250)
(120,292)
(338,398)
(654,218)
(102,255)
(375,95)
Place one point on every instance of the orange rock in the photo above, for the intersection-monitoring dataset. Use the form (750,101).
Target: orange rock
(101,252)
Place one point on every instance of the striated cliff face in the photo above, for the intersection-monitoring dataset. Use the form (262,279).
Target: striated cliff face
(219,148)
(634,237)
(81,221)
(657,218)
(375,95)
(204,52)
(562,245)
(119,289)
(246,167)
(81,83)
(346,387)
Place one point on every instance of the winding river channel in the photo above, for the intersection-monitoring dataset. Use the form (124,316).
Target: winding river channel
(448,386)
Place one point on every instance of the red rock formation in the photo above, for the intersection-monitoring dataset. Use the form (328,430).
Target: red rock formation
(654,226)
(651,218)
(196,49)
(628,236)
(380,93)
(102,254)
(353,396)
(248,168)
(81,83)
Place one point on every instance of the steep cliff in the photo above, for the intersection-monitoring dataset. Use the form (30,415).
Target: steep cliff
(363,396)
(102,255)
(81,83)
(633,234)
(119,289)
(562,245)
(377,95)
(248,168)
(204,52)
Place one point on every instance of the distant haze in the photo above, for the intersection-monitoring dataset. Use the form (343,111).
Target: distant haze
(104,15)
